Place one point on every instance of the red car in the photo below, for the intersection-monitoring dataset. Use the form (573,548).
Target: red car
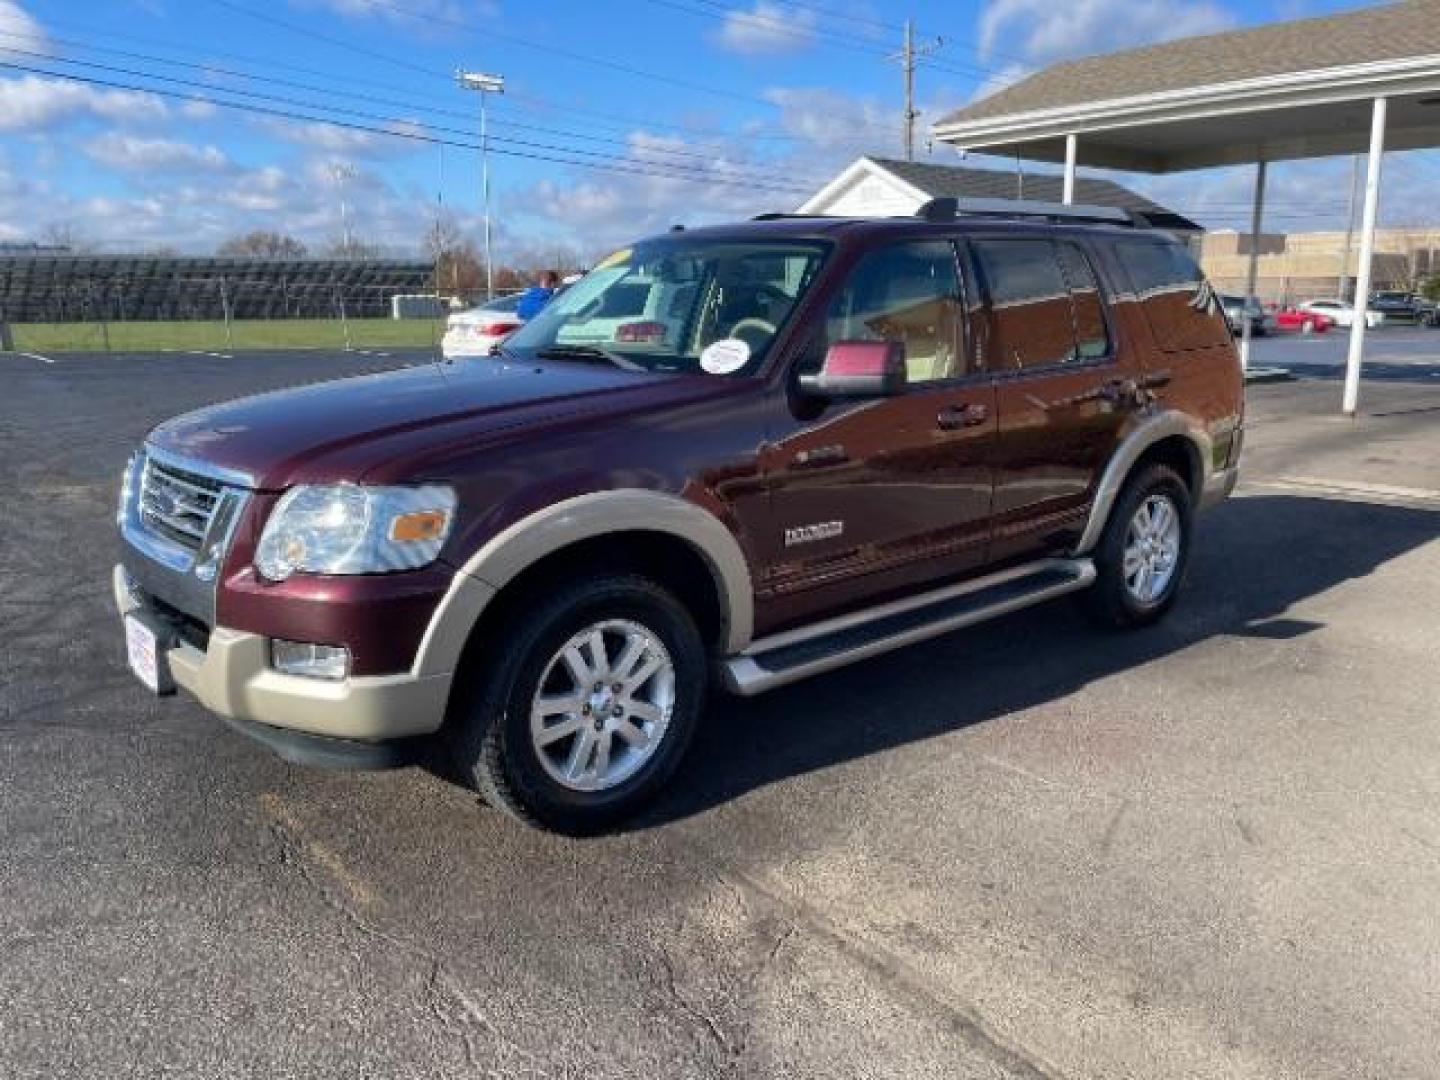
(1306,322)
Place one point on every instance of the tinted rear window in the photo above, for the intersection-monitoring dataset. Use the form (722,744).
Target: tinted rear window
(1045,304)
(1181,308)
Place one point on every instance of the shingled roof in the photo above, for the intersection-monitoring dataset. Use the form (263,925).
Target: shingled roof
(1370,35)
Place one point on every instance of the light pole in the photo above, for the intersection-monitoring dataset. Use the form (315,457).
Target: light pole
(485,85)
(341,172)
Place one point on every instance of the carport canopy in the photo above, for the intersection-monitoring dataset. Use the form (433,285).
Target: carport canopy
(1340,84)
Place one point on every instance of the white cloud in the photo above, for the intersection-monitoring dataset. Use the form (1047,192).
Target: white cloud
(767,28)
(19,29)
(336,139)
(827,130)
(133,153)
(828,124)
(199,109)
(34,103)
(413,12)
(1042,30)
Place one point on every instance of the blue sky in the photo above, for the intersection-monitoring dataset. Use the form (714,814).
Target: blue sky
(689,109)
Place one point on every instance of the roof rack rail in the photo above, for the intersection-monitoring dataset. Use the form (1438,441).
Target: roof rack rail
(786,215)
(948,208)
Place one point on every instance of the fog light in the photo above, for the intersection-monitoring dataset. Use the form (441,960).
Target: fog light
(312,661)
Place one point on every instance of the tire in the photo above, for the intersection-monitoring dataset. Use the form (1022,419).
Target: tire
(538,776)
(1116,602)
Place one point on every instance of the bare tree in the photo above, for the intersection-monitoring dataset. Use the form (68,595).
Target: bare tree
(262,244)
(352,247)
(64,234)
(457,266)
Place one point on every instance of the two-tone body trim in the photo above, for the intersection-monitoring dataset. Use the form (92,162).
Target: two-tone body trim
(604,513)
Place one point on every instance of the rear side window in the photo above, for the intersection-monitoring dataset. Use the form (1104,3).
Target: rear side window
(1045,304)
(1181,308)
(1092,337)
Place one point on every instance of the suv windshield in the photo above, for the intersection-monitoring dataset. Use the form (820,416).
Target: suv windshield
(677,305)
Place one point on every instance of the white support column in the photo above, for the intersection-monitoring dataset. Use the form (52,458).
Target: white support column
(1367,251)
(1071,147)
(1256,213)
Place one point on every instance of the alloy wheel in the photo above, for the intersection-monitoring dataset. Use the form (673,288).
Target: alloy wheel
(1152,549)
(603,705)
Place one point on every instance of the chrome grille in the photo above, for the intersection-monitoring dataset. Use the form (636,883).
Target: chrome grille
(178,504)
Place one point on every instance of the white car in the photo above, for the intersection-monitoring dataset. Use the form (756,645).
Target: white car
(1341,313)
(477,331)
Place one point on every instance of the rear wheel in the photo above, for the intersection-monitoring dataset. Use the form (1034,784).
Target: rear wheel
(1142,555)
(584,709)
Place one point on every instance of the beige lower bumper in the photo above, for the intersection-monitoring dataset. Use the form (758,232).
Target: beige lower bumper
(233,677)
(1219,486)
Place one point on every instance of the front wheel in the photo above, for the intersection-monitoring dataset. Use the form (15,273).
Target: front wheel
(582,711)
(1143,552)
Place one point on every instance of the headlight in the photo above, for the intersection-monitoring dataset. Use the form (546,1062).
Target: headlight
(127,490)
(352,529)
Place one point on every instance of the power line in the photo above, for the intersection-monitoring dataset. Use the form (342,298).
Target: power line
(211,69)
(716,10)
(637,169)
(398,122)
(617,121)
(524,43)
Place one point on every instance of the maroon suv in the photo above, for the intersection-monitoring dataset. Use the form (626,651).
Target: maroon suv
(753,453)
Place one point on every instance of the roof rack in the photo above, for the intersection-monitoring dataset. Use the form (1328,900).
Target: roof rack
(949,208)
(782,215)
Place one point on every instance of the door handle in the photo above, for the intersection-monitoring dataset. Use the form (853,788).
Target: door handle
(1120,392)
(961,416)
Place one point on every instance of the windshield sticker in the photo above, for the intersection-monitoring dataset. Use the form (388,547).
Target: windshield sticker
(725,356)
(614,259)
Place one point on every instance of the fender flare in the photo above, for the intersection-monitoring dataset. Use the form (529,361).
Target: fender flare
(514,549)
(1161,425)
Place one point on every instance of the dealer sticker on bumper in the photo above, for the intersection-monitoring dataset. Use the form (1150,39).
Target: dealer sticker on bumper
(141,646)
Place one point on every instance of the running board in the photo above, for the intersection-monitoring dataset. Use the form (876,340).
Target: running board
(797,654)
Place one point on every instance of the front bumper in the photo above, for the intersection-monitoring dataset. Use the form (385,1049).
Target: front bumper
(232,676)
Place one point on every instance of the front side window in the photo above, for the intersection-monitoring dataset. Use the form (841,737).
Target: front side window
(908,293)
(685,306)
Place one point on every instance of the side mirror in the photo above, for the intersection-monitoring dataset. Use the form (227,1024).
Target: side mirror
(859,369)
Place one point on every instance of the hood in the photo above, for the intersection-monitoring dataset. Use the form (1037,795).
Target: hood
(340,430)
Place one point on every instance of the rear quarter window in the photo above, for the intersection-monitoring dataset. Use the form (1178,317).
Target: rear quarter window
(1183,311)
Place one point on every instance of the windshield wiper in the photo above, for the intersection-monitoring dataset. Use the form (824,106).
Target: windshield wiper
(576,352)
(583,352)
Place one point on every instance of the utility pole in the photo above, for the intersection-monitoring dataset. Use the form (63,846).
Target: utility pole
(485,85)
(907,56)
(1349,229)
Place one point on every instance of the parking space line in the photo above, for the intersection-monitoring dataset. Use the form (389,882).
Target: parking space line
(282,817)
(33,356)
(1423,498)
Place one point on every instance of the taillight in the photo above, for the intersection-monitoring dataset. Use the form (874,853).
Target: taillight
(642,333)
(498,329)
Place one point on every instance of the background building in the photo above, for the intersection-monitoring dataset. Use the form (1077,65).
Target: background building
(880,187)
(1301,266)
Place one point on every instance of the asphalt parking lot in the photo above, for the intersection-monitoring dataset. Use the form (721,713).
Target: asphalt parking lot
(1209,849)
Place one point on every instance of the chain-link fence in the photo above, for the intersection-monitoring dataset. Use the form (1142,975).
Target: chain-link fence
(80,303)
